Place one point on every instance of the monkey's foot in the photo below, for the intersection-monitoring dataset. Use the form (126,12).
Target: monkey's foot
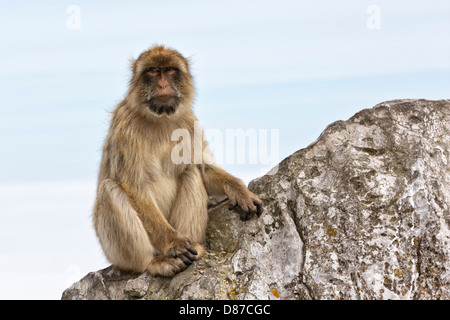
(181,247)
(166,266)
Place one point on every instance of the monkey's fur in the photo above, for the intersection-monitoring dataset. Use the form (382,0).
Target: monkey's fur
(150,214)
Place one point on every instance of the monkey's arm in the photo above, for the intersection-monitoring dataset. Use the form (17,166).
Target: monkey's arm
(219,182)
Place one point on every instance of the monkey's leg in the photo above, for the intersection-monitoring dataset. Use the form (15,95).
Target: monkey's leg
(123,237)
(189,214)
(119,229)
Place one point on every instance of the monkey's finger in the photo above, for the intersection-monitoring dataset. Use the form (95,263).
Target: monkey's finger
(185,259)
(243,215)
(244,207)
(192,250)
(189,255)
(232,204)
(252,207)
(259,208)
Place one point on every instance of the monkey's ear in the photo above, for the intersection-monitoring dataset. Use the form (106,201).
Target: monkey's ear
(133,63)
(187,63)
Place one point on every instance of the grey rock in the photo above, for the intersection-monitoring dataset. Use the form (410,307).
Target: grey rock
(361,213)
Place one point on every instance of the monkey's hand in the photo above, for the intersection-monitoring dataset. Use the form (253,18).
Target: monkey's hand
(181,247)
(243,201)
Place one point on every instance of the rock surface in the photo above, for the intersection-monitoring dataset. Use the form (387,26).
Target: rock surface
(362,213)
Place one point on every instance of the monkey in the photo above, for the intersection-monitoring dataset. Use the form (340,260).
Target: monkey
(150,213)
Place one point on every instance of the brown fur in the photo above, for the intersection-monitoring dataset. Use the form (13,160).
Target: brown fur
(150,213)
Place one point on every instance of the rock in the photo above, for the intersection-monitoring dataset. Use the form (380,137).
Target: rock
(362,213)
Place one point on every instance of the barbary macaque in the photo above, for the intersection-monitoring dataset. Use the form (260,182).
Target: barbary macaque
(150,212)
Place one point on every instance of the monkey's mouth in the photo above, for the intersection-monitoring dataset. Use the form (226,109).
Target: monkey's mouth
(164,104)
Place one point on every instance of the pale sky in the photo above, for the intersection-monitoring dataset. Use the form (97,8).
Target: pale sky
(290,66)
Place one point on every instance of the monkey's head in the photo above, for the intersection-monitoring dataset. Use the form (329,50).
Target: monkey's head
(161,83)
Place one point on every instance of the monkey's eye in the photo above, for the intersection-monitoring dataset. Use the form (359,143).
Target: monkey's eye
(152,70)
(170,70)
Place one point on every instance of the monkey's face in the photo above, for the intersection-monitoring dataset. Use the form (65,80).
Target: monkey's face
(163,81)
(162,92)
